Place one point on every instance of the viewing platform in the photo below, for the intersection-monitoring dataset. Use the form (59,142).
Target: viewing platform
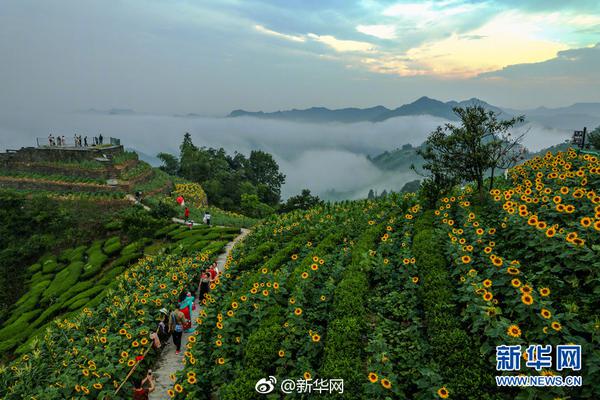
(68,152)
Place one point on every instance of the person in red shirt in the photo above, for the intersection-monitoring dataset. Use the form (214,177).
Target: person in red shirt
(139,391)
(213,272)
(187,214)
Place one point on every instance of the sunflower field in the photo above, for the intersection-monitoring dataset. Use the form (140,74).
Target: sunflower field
(402,302)
(88,354)
(398,301)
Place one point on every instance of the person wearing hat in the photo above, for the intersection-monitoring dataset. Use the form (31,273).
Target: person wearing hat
(163,327)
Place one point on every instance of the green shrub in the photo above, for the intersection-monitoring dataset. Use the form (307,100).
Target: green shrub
(113,225)
(126,259)
(242,387)
(19,318)
(343,358)
(263,344)
(51,266)
(94,264)
(112,245)
(187,232)
(88,293)
(110,275)
(48,314)
(74,290)
(96,300)
(135,247)
(32,269)
(64,280)
(165,230)
(78,253)
(78,304)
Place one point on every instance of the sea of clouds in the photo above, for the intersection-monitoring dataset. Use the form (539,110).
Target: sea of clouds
(319,157)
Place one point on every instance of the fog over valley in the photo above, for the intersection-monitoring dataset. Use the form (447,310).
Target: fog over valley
(321,157)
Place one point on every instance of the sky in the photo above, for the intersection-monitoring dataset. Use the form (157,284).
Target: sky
(210,57)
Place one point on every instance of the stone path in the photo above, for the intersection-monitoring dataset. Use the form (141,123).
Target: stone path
(169,363)
(131,198)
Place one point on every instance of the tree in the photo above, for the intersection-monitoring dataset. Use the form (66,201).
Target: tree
(371,195)
(170,163)
(187,148)
(252,206)
(594,138)
(506,151)
(262,170)
(467,152)
(304,201)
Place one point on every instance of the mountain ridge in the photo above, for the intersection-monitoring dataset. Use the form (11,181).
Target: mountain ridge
(568,117)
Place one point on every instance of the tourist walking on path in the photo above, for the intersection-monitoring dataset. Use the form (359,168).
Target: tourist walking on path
(139,391)
(204,282)
(212,272)
(176,321)
(186,214)
(207,218)
(163,327)
(100,139)
(186,306)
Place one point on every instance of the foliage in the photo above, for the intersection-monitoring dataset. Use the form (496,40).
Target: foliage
(31,225)
(303,201)
(170,163)
(252,206)
(225,178)
(467,152)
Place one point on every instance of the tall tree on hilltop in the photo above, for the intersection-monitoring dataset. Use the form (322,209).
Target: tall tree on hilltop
(170,163)
(467,152)
(262,170)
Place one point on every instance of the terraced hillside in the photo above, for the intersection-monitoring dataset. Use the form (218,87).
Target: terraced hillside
(109,176)
(87,351)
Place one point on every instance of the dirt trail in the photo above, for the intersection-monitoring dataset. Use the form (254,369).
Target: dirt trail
(169,363)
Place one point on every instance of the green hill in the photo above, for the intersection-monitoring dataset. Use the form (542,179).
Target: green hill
(397,300)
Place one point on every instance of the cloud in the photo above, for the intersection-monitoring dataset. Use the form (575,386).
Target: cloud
(575,65)
(507,39)
(379,31)
(453,39)
(342,46)
(428,12)
(336,44)
(293,38)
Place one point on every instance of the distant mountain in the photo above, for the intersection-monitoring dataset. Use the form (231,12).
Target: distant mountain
(318,114)
(436,108)
(422,106)
(112,111)
(401,159)
(397,160)
(575,116)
